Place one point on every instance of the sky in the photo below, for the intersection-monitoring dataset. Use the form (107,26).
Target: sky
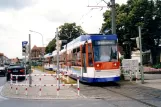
(17,17)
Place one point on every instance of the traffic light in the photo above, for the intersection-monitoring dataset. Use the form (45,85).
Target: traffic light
(127,49)
(24,49)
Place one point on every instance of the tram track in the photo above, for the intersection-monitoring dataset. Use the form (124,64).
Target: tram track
(148,104)
(106,87)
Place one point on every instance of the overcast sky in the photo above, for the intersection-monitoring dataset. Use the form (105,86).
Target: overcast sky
(17,17)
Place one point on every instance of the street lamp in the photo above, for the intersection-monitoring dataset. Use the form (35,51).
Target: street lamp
(42,49)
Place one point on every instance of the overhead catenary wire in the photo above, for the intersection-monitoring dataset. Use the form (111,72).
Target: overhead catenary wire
(89,12)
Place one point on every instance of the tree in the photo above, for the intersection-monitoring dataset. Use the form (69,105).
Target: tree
(68,31)
(144,13)
(51,46)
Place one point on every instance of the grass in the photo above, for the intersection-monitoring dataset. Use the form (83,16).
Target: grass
(71,81)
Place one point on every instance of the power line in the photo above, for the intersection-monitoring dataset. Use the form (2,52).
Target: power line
(90,10)
(99,3)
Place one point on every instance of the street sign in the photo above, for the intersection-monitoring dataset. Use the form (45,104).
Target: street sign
(130,64)
(24,48)
(24,43)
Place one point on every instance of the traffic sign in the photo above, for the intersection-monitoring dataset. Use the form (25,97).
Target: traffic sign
(130,64)
(24,48)
(24,43)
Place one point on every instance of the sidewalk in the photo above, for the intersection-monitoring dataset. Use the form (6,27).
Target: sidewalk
(156,84)
(47,92)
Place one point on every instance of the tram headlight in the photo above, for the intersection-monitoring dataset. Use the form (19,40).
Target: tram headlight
(97,65)
(115,64)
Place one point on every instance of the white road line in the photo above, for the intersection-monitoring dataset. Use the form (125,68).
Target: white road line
(1,97)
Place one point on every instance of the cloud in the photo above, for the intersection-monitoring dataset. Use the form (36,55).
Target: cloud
(43,16)
(15,4)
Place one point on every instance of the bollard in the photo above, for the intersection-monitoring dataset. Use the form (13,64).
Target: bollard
(78,85)
(57,93)
(130,75)
(11,81)
(40,87)
(16,84)
(26,91)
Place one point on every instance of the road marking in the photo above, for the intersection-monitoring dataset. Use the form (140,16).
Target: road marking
(1,97)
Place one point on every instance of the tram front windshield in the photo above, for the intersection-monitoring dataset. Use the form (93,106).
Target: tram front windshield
(105,50)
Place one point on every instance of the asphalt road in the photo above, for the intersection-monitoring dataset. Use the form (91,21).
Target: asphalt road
(8,102)
(113,97)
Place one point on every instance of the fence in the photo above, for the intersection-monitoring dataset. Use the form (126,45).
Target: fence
(40,85)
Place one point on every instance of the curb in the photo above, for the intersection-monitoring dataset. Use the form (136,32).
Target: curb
(41,97)
(36,98)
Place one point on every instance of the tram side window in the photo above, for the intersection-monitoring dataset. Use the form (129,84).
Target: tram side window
(78,57)
(90,57)
(74,57)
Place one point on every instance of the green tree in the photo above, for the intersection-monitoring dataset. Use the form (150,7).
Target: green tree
(68,31)
(144,13)
(51,46)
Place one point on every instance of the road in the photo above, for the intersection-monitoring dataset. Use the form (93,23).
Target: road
(8,102)
(108,96)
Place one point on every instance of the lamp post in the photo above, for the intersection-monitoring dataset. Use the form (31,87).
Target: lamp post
(42,49)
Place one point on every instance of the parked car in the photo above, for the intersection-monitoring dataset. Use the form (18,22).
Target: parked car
(3,70)
(15,69)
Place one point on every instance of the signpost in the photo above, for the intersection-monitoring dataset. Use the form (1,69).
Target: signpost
(24,48)
(131,67)
(25,52)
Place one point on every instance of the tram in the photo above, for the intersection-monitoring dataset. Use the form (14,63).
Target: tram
(94,58)
(48,61)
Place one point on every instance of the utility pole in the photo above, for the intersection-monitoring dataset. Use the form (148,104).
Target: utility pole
(141,59)
(25,64)
(58,48)
(30,78)
(113,17)
(111,5)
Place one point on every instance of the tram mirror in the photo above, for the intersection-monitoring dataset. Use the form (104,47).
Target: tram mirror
(84,49)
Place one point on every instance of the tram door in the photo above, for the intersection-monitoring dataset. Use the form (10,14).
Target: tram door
(84,62)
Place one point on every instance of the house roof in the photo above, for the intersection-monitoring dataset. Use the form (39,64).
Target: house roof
(35,48)
(1,54)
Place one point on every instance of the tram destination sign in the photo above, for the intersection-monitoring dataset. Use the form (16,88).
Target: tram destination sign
(105,42)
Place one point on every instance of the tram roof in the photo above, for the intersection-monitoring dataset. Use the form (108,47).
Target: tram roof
(92,37)
(98,37)
(54,52)
(48,55)
(81,39)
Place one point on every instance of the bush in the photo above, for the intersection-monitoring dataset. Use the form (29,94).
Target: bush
(157,66)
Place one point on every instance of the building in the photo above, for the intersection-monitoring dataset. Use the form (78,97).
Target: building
(14,60)
(1,58)
(4,59)
(37,52)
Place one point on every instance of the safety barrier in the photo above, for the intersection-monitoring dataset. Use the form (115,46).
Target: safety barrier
(40,85)
(131,72)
